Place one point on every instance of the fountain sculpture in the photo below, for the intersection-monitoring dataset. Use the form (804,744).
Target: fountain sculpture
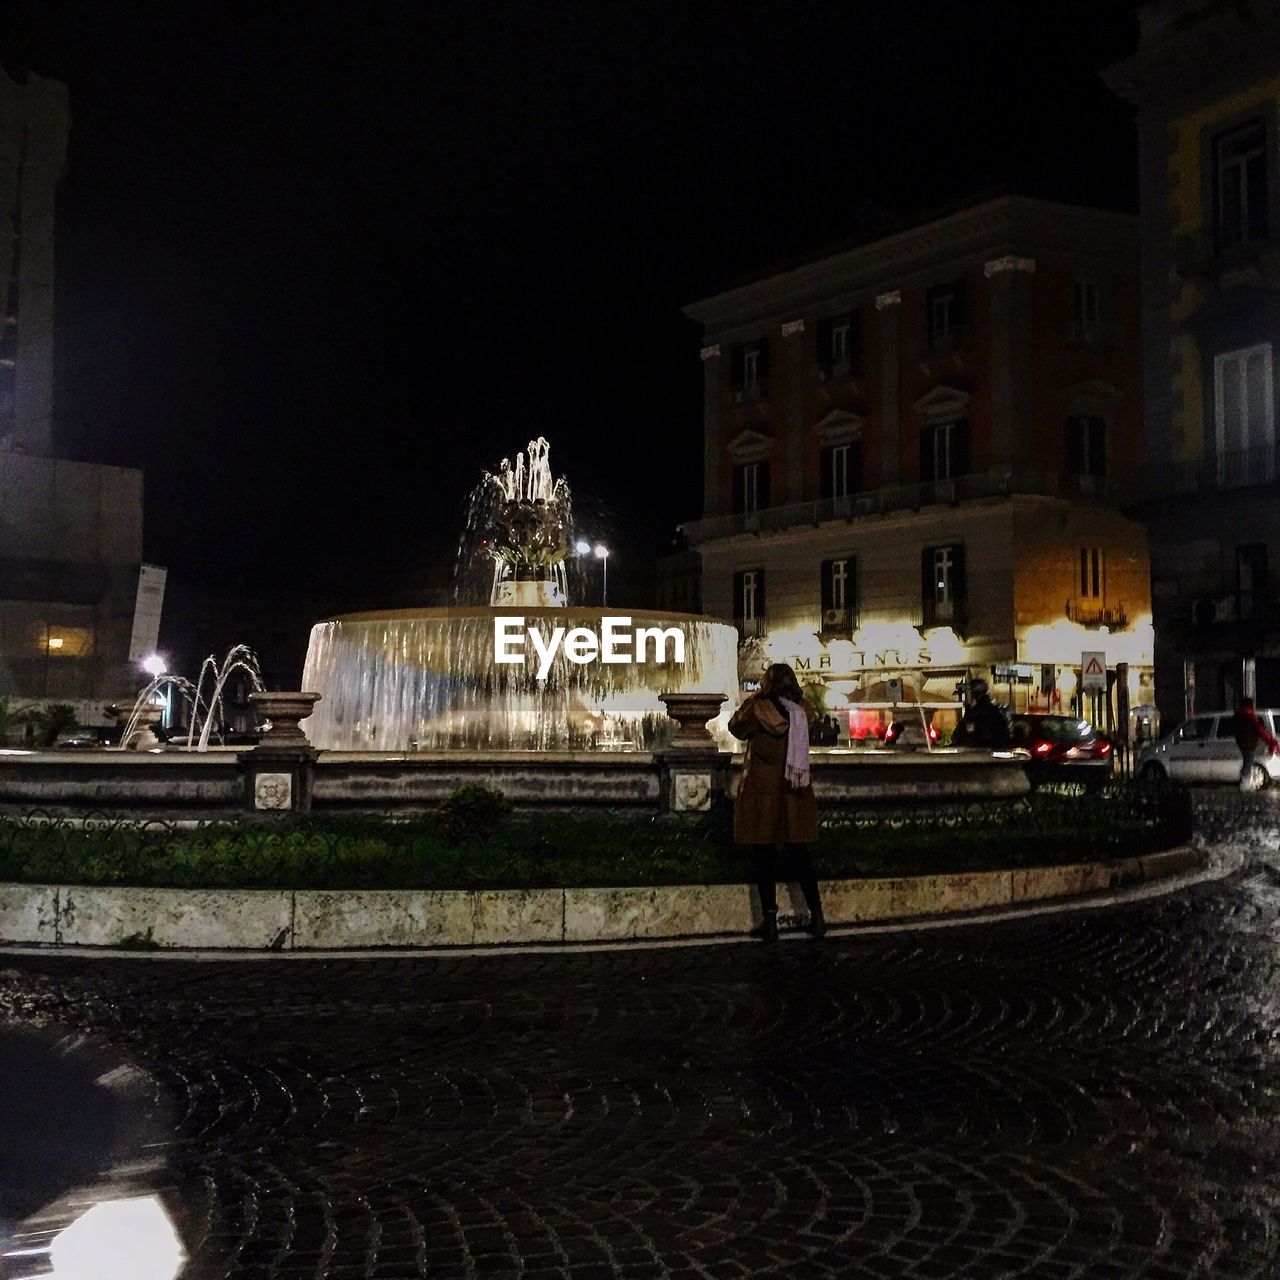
(430,679)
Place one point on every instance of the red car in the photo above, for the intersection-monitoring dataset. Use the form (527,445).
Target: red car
(1063,749)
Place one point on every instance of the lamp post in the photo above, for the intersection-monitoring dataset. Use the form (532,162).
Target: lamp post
(602,554)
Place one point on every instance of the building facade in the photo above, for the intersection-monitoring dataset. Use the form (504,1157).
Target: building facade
(70,532)
(1206,81)
(915,451)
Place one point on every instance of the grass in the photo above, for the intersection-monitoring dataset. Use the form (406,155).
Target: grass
(582,849)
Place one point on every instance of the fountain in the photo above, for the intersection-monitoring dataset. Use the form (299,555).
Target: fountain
(433,679)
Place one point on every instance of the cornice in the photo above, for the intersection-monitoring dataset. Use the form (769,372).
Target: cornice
(1009,225)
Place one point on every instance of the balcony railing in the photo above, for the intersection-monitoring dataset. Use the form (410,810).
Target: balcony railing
(933,345)
(999,482)
(1114,617)
(1234,469)
(750,393)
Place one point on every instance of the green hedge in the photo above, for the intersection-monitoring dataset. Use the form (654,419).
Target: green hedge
(577,849)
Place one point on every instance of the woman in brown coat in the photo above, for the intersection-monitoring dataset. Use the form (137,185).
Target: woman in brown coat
(775,804)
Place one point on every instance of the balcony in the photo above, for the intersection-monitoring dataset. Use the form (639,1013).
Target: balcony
(933,345)
(998,482)
(749,628)
(1091,614)
(838,624)
(756,392)
(1234,469)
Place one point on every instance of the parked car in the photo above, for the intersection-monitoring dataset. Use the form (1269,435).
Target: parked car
(1062,749)
(1203,749)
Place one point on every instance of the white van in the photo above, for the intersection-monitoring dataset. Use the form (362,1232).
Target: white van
(1203,749)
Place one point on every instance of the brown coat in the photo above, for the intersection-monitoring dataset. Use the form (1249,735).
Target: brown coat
(768,810)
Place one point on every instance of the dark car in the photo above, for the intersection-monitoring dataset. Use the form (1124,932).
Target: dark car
(1063,749)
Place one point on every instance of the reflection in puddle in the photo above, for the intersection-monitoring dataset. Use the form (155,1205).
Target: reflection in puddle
(115,1240)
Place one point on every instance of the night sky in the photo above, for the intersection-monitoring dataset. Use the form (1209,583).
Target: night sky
(319,264)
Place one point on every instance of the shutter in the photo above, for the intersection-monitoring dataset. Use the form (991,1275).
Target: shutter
(928,598)
(960,448)
(1097,447)
(762,486)
(824,344)
(855,337)
(828,598)
(738,609)
(855,467)
(763,364)
(851,589)
(761,608)
(928,465)
(739,490)
(1256,191)
(959,584)
(737,366)
(959,312)
(1075,446)
(827,479)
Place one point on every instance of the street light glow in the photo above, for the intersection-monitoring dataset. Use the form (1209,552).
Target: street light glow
(582,546)
(154,665)
(601,551)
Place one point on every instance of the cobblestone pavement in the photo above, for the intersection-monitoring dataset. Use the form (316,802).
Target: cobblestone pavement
(1087,1094)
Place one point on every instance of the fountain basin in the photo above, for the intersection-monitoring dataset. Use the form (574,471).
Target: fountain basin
(430,680)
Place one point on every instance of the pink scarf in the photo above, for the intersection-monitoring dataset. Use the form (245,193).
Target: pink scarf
(797,771)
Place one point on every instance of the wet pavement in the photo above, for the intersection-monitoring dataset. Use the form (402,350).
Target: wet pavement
(1092,1094)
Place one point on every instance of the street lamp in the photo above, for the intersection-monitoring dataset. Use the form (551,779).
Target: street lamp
(154,665)
(582,546)
(602,554)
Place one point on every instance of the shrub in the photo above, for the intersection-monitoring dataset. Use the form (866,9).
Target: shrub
(471,812)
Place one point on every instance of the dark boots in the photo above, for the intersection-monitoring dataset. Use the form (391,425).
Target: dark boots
(767,929)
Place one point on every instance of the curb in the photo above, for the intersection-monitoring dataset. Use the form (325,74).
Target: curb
(281,920)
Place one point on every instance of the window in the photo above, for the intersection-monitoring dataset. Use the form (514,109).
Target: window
(1252,587)
(750,487)
(839,594)
(1087,446)
(1240,186)
(1194,730)
(1244,410)
(942,581)
(748,599)
(1085,312)
(944,451)
(841,470)
(1092,581)
(944,309)
(838,339)
(749,365)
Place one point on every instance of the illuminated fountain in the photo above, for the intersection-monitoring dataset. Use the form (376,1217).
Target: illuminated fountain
(431,679)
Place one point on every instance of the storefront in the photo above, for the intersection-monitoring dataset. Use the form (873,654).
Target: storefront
(887,672)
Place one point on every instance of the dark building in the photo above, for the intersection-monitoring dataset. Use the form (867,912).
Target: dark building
(1206,81)
(70,532)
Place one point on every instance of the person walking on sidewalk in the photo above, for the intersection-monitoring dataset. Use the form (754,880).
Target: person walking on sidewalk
(775,805)
(1254,741)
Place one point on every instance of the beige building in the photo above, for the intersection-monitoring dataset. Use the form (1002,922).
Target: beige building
(70,532)
(916,452)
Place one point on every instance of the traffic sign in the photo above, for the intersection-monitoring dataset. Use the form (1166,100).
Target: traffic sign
(1093,670)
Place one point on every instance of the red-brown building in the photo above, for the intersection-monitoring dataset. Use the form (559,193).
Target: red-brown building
(928,436)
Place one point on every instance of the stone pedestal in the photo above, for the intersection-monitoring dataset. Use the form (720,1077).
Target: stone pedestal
(279,772)
(692,781)
(693,771)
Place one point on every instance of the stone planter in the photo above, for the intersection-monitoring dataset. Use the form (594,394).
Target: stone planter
(283,711)
(692,711)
